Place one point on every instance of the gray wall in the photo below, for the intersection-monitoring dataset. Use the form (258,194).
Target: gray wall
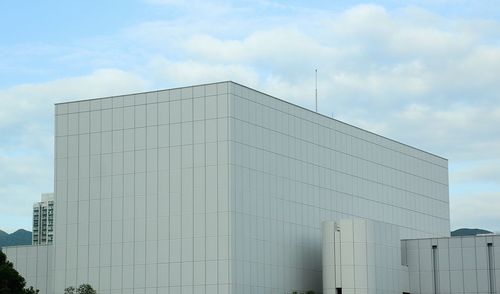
(362,256)
(142,192)
(34,263)
(291,169)
(461,264)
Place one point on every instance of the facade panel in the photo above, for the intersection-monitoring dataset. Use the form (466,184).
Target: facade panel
(35,264)
(291,169)
(142,182)
(458,269)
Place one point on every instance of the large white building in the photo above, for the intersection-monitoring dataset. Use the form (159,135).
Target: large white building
(219,188)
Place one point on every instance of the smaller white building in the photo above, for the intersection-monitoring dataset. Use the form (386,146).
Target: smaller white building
(35,264)
(469,264)
(43,220)
(364,256)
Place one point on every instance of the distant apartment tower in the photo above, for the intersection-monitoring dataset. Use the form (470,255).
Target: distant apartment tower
(43,220)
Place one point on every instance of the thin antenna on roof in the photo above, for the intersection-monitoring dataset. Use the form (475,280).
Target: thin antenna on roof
(316,92)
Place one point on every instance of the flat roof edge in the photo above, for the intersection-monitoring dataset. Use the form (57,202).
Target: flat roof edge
(454,237)
(342,122)
(282,100)
(145,92)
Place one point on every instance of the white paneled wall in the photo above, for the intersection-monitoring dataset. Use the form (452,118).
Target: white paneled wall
(459,265)
(292,168)
(34,263)
(142,187)
(429,266)
(219,188)
(362,256)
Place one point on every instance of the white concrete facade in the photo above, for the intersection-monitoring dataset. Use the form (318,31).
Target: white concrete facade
(35,264)
(454,265)
(219,188)
(362,256)
(291,169)
(142,192)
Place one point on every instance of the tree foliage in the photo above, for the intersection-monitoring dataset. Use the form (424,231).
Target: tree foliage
(10,280)
(85,289)
(31,290)
(82,289)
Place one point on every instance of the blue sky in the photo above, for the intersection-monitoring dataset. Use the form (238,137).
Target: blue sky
(426,73)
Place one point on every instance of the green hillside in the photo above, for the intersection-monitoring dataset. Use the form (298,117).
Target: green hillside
(19,237)
(468,232)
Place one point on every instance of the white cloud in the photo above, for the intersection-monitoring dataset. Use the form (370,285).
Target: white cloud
(477,171)
(37,99)
(26,129)
(458,131)
(277,46)
(426,79)
(166,2)
(477,210)
(180,73)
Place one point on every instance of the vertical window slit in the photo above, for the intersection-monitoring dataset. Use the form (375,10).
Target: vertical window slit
(435,271)
(491,270)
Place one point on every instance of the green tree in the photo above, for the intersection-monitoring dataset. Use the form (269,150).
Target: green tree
(10,280)
(85,289)
(31,290)
(82,289)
